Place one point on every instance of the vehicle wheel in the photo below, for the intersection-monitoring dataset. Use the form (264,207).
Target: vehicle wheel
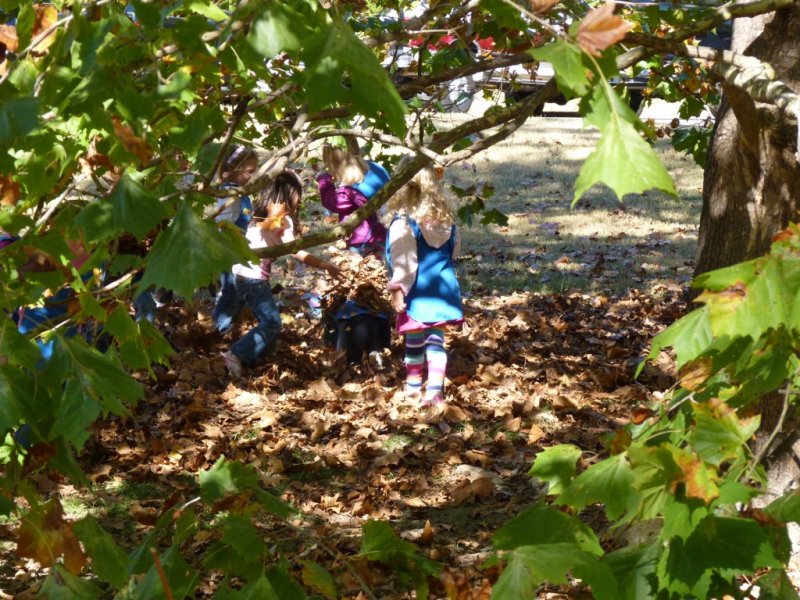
(459,96)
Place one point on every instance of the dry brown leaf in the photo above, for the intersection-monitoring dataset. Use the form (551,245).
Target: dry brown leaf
(468,491)
(541,7)
(600,29)
(427,533)
(536,433)
(131,142)
(44,536)
(46,17)
(694,374)
(9,191)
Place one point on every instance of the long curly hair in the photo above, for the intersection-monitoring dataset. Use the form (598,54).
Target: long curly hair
(423,199)
(346,166)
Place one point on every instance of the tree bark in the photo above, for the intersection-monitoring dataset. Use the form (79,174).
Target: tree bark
(751,187)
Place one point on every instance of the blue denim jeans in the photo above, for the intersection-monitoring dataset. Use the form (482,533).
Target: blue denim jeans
(255,294)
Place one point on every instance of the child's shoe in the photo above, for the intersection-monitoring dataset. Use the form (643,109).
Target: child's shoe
(233,364)
(432,399)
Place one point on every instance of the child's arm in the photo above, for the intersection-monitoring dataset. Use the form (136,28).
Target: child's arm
(287,235)
(403,253)
(342,200)
(318,263)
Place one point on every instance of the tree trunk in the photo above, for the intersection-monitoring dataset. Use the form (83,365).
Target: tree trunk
(751,187)
(751,190)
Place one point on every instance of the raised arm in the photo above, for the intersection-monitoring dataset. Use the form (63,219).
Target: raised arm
(342,200)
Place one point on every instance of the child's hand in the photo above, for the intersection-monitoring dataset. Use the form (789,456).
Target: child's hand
(398,301)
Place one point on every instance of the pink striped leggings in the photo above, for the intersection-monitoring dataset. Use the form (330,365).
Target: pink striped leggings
(426,345)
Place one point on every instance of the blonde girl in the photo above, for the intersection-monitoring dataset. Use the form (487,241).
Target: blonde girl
(422,247)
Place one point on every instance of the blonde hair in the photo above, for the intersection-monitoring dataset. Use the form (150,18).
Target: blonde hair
(346,166)
(423,199)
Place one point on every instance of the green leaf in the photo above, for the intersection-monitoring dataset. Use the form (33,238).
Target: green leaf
(504,14)
(682,516)
(786,508)
(260,589)
(319,579)
(100,376)
(283,27)
(129,207)
(634,568)
(690,336)
(285,586)
(572,75)
(18,348)
(109,562)
(208,10)
(624,162)
(718,434)
(540,525)
(380,543)
(336,53)
(688,567)
(181,579)
(16,390)
(556,466)
(191,253)
(529,566)
(776,585)
(60,584)
(655,473)
(609,481)
(18,117)
(226,477)
(76,413)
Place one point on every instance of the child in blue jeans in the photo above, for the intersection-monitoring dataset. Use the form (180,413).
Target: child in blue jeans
(271,225)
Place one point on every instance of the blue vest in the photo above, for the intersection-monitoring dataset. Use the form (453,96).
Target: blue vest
(245,209)
(435,295)
(374,180)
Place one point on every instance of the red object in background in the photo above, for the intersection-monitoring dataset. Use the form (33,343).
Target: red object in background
(485,44)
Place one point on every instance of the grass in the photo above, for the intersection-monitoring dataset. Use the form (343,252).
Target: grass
(600,245)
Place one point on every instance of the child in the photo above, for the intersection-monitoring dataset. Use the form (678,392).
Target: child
(359,181)
(237,169)
(271,225)
(423,242)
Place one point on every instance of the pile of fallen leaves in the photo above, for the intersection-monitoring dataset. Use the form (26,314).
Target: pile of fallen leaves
(363,281)
(343,445)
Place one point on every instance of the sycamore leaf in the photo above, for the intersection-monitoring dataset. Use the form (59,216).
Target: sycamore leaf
(624,162)
(62,584)
(109,562)
(634,568)
(283,27)
(16,391)
(44,536)
(718,433)
(336,53)
(695,373)
(776,585)
(556,466)
(319,579)
(542,524)
(700,481)
(207,9)
(600,29)
(191,253)
(76,412)
(529,566)
(18,117)
(180,576)
(572,76)
(689,336)
(609,481)
(129,207)
(380,543)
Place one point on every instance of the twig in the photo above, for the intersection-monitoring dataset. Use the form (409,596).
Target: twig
(788,390)
(161,575)
(238,113)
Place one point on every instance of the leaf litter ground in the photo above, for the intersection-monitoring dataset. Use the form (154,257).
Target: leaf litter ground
(343,446)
